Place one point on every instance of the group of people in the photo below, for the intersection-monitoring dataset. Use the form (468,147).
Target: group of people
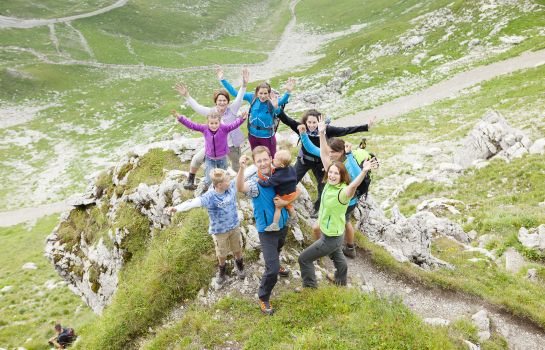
(340,173)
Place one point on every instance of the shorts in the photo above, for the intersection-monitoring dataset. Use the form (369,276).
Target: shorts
(349,212)
(228,242)
(288,197)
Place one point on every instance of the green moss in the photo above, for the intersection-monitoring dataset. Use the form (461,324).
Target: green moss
(131,219)
(124,170)
(104,182)
(177,264)
(152,166)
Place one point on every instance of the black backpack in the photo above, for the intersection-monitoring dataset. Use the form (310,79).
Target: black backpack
(66,337)
(363,188)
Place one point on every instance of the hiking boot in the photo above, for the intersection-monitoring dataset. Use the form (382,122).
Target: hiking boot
(189,184)
(272,227)
(314,214)
(349,252)
(241,274)
(283,272)
(266,307)
(221,274)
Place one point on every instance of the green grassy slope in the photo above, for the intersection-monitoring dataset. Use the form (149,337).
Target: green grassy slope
(30,309)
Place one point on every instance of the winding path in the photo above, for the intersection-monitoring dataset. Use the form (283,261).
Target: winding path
(12,22)
(437,303)
(447,88)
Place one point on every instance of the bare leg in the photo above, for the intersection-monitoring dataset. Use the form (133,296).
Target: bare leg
(316,232)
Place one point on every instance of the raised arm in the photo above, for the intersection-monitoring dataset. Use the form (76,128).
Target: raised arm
(238,122)
(188,123)
(284,118)
(235,106)
(184,92)
(289,89)
(241,185)
(324,147)
(308,145)
(336,131)
(349,191)
(248,96)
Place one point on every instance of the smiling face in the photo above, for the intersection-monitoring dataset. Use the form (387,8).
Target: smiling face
(262,160)
(263,94)
(221,103)
(312,123)
(333,175)
(213,123)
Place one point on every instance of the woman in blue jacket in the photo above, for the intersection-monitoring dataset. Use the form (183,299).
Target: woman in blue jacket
(261,120)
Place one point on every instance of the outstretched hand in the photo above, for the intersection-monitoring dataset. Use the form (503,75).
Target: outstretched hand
(219,72)
(290,85)
(347,147)
(370,164)
(245,76)
(182,89)
(321,124)
(301,128)
(170,210)
(174,113)
(244,115)
(274,99)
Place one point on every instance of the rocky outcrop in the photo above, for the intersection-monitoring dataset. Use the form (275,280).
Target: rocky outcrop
(493,137)
(533,238)
(406,239)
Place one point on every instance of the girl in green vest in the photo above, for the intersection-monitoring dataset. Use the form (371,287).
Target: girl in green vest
(338,191)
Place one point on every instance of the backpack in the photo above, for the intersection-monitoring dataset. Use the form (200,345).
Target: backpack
(363,188)
(272,129)
(66,337)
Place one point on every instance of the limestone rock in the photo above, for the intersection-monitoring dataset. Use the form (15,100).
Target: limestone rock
(538,147)
(513,260)
(29,266)
(534,239)
(482,322)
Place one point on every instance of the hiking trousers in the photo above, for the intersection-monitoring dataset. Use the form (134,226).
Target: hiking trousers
(302,166)
(271,245)
(325,246)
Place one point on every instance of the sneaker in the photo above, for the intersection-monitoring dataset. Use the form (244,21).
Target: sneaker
(283,272)
(266,307)
(272,227)
(190,185)
(314,214)
(349,252)
(292,221)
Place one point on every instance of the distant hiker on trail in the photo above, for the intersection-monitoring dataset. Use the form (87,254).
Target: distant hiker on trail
(284,181)
(261,121)
(64,337)
(342,152)
(335,199)
(307,161)
(215,139)
(229,114)
(264,200)
(224,227)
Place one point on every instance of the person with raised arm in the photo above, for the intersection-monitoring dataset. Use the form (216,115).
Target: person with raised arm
(307,160)
(338,190)
(261,119)
(264,201)
(229,115)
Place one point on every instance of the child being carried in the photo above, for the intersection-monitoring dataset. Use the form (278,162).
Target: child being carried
(284,181)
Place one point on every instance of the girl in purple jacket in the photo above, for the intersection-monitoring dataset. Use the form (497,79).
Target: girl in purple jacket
(215,139)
